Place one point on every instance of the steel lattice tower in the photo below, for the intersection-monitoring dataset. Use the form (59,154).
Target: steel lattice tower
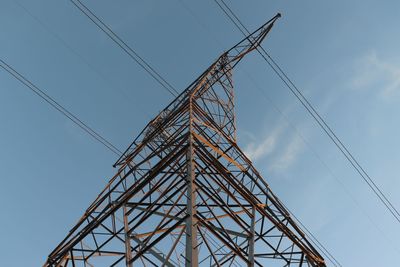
(186,195)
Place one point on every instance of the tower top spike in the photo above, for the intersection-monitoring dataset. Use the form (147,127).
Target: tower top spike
(251,41)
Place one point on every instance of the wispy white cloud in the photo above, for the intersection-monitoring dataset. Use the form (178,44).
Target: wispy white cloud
(279,148)
(378,73)
(290,152)
(260,147)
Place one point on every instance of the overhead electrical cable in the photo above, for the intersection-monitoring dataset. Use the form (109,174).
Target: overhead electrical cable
(125,47)
(51,101)
(313,112)
(78,55)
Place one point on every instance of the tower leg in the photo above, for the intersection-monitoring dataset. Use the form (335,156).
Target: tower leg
(128,251)
(192,254)
(251,239)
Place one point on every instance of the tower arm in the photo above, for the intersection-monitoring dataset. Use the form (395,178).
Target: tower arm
(250,42)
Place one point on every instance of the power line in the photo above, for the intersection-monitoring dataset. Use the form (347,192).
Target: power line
(312,111)
(324,164)
(51,101)
(125,47)
(79,56)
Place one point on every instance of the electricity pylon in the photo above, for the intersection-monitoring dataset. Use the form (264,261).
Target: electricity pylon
(186,195)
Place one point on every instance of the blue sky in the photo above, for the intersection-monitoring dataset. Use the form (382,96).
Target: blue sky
(342,54)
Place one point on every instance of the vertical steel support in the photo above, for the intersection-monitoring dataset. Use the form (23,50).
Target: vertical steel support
(252,237)
(191,223)
(128,251)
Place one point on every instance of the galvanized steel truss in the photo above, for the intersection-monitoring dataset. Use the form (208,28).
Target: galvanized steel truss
(186,195)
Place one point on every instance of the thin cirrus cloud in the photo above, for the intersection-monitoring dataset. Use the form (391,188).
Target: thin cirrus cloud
(281,149)
(258,149)
(372,71)
(289,154)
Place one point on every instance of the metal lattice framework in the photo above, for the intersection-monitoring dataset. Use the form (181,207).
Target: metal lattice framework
(186,195)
